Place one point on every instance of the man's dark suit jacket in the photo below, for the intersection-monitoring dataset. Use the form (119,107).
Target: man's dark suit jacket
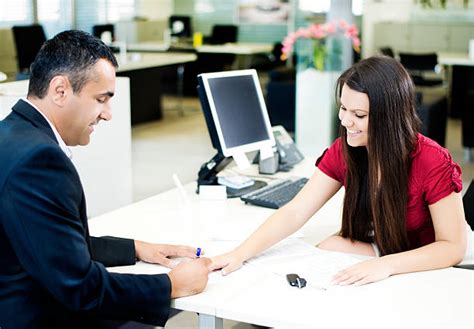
(52,272)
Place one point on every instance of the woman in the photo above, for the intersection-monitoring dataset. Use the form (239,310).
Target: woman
(402,201)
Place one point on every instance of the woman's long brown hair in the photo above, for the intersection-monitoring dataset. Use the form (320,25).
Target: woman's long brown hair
(377,175)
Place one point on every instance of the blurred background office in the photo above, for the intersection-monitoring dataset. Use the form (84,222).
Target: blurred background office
(431,38)
(163,44)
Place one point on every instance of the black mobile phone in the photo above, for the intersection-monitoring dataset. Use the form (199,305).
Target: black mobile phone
(295,281)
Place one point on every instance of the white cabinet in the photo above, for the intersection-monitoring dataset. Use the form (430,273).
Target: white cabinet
(105,165)
(419,37)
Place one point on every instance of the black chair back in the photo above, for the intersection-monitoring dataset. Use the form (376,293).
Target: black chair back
(28,41)
(419,62)
(387,51)
(223,34)
(468,202)
(97,30)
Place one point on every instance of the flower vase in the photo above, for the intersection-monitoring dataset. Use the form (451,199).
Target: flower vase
(316,111)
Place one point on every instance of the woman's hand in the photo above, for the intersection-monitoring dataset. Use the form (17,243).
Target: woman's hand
(227,263)
(368,271)
(159,253)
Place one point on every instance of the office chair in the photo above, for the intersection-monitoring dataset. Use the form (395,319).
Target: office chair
(418,64)
(28,41)
(468,202)
(267,62)
(97,30)
(281,97)
(387,51)
(223,34)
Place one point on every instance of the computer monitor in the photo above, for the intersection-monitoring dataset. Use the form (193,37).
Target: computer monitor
(180,26)
(236,117)
(99,30)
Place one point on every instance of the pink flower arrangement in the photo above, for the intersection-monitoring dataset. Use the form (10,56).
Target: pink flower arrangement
(321,31)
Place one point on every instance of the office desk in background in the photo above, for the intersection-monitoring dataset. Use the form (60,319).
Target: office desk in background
(244,51)
(144,71)
(240,48)
(426,299)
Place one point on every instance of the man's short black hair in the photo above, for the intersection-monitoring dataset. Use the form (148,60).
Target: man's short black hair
(71,53)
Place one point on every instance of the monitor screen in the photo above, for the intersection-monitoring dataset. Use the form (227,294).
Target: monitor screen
(237,111)
(180,26)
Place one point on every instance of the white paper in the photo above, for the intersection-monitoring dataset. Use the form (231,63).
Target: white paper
(315,265)
(266,152)
(212,192)
(241,160)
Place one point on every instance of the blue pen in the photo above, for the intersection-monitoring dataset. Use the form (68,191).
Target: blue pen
(198,252)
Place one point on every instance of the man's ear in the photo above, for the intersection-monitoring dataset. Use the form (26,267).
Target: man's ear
(59,90)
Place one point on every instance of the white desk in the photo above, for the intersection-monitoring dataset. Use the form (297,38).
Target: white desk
(455,59)
(433,298)
(243,50)
(240,48)
(144,60)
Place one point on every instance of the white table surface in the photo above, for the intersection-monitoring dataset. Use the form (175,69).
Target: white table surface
(138,61)
(442,298)
(455,59)
(240,48)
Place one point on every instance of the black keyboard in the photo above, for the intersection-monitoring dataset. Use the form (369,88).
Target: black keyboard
(275,195)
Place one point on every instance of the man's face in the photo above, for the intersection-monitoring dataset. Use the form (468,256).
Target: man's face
(82,111)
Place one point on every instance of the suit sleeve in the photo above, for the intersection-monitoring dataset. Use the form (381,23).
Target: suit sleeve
(42,220)
(112,251)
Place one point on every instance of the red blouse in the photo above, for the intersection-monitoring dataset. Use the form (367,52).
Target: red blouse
(433,176)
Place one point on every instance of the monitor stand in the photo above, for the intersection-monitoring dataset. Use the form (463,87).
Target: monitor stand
(208,176)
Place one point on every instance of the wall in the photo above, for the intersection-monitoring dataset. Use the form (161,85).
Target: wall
(207,13)
(409,11)
(377,11)
(155,9)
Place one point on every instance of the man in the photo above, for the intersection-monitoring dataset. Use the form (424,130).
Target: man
(52,273)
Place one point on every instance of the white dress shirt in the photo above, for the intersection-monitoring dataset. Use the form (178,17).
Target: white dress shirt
(61,143)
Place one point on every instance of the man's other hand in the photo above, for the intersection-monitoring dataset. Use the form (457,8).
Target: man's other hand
(160,253)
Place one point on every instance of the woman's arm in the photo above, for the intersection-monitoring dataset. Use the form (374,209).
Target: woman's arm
(447,250)
(285,221)
(450,239)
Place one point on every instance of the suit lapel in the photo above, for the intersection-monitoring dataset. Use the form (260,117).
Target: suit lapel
(29,113)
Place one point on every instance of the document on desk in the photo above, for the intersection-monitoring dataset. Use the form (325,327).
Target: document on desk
(317,266)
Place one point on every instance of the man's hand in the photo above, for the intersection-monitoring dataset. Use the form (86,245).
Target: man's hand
(159,253)
(189,278)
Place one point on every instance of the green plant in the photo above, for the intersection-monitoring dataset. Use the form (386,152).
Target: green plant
(442,3)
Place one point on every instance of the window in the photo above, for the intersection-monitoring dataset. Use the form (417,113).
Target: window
(92,12)
(115,10)
(55,15)
(323,6)
(16,12)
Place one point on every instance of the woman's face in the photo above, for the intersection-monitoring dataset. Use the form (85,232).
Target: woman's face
(354,116)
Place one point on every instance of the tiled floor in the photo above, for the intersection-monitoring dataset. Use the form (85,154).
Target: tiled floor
(180,144)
